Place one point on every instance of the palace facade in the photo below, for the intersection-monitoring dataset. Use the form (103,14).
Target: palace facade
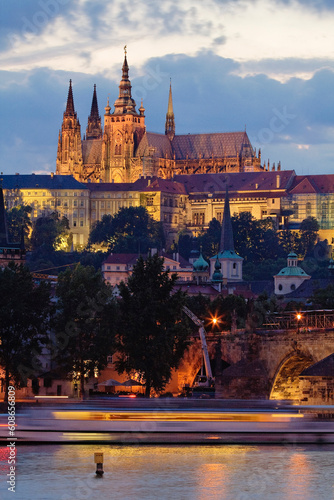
(184,203)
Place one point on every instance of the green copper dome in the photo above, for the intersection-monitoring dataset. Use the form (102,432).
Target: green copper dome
(200,264)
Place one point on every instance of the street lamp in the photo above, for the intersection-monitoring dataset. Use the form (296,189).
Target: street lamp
(298,317)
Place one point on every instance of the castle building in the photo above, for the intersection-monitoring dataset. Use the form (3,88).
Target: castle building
(124,150)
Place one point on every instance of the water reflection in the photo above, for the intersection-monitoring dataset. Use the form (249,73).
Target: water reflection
(55,472)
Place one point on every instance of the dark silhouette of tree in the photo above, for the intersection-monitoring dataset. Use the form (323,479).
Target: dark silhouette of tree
(50,233)
(153,333)
(308,234)
(24,313)
(18,220)
(84,321)
(131,230)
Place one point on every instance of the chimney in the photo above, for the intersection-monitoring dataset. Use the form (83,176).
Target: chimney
(278,181)
(52,174)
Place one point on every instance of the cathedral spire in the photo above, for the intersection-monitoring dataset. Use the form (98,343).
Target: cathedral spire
(70,102)
(94,129)
(125,104)
(170,122)
(94,111)
(226,240)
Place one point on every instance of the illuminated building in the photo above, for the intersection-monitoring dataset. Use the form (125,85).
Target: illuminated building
(124,150)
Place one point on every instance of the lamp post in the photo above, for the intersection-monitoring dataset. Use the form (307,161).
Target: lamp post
(298,317)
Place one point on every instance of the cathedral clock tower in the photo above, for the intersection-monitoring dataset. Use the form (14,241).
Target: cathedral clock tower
(123,130)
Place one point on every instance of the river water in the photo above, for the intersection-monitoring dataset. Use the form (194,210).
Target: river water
(67,472)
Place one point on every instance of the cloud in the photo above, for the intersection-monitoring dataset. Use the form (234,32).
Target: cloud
(208,96)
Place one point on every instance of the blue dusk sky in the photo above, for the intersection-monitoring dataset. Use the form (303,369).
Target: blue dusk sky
(267,65)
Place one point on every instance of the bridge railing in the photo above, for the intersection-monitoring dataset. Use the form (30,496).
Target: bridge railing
(318,319)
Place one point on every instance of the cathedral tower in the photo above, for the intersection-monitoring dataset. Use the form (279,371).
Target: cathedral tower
(170,122)
(94,129)
(69,155)
(123,130)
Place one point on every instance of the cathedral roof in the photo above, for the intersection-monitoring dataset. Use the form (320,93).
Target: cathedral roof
(224,144)
(156,145)
(92,151)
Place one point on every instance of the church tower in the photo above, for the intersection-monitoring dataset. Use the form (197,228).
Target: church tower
(123,130)
(69,155)
(230,261)
(170,122)
(94,129)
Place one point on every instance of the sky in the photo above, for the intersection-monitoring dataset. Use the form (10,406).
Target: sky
(263,65)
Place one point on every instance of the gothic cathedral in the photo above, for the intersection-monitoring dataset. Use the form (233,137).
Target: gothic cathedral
(123,150)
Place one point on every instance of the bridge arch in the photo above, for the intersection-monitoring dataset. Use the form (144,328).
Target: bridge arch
(285,383)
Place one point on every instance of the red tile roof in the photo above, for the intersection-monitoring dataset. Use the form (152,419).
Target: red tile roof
(313,184)
(255,182)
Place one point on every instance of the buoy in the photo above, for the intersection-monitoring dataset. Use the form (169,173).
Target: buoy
(98,459)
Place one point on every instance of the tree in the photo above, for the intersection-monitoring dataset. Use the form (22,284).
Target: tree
(309,231)
(210,239)
(51,233)
(24,313)
(85,315)
(131,230)
(323,298)
(18,219)
(152,334)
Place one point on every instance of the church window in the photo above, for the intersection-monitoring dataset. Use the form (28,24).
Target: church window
(118,149)
(280,287)
(295,211)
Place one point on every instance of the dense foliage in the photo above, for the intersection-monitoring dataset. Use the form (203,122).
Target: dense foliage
(152,333)
(84,322)
(131,230)
(24,315)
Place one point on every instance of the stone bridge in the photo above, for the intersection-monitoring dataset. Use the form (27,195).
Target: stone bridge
(265,364)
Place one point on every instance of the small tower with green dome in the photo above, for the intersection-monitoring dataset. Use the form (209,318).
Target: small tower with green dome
(200,269)
(290,277)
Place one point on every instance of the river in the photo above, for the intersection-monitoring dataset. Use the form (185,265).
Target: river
(67,472)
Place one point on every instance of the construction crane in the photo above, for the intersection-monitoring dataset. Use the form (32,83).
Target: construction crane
(203,382)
